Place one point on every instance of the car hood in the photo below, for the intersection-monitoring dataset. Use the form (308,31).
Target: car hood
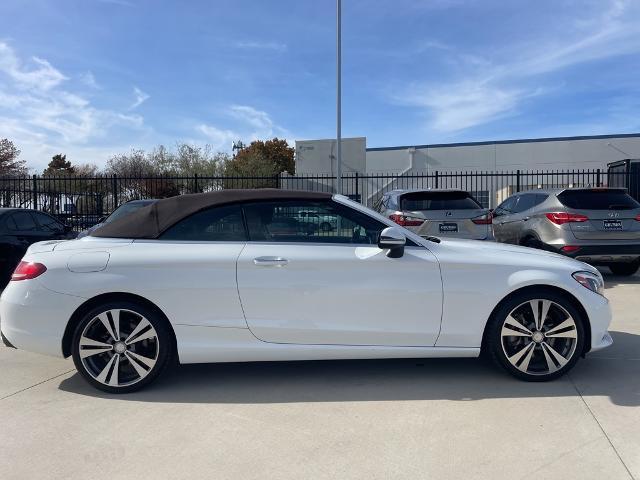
(506,253)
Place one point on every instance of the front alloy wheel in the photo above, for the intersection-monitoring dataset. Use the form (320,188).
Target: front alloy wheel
(121,347)
(538,337)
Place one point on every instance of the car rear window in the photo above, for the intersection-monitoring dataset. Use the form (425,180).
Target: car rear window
(598,200)
(438,201)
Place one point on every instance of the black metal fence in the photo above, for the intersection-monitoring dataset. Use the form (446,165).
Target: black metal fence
(81,201)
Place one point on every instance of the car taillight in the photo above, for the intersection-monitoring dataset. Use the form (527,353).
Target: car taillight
(560,218)
(27,271)
(405,221)
(638,218)
(485,219)
(570,248)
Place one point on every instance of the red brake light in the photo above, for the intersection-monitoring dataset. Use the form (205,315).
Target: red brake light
(570,248)
(485,219)
(27,271)
(405,221)
(560,218)
(638,218)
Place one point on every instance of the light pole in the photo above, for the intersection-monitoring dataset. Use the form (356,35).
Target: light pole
(339,96)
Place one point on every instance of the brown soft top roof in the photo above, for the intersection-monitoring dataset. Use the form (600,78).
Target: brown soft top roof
(152,220)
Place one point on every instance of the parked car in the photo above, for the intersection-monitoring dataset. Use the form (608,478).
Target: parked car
(600,226)
(19,228)
(202,277)
(121,211)
(316,221)
(437,212)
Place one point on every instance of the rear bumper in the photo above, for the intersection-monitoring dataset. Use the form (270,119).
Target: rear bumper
(605,253)
(33,318)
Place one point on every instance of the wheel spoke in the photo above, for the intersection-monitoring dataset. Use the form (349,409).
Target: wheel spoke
(513,322)
(115,315)
(558,358)
(149,362)
(139,370)
(526,352)
(107,325)
(113,381)
(90,347)
(540,309)
(566,329)
(102,377)
(137,336)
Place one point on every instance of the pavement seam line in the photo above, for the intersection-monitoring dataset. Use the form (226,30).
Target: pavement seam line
(601,427)
(35,385)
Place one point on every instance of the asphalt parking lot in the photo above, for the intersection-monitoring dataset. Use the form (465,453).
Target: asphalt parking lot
(356,419)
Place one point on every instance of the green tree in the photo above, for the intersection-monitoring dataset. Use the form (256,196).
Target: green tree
(10,164)
(59,166)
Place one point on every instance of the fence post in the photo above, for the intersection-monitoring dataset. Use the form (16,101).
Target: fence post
(357,188)
(35,192)
(114,180)
(598,184)
(518,181)
(437,179)
(195,183)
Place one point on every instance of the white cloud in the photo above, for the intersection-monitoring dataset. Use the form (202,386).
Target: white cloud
(140,98)
(41,77)
(39,115)
(488,89)
(249,124)
(89,80)
(218,138)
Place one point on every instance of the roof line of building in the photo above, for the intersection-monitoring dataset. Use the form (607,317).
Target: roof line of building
(503,142)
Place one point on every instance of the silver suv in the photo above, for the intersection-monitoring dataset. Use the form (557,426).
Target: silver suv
(600,226)
(434,212)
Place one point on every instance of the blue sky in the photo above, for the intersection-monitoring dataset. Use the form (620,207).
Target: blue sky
(91,78)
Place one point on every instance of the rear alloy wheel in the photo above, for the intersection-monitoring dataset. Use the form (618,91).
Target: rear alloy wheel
(121,347)
(537,337)
(625,269)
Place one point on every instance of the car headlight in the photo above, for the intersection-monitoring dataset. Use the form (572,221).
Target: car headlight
(591,281)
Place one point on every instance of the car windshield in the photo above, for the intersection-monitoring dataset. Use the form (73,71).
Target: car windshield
(606,199)
(126,209)
(418,201)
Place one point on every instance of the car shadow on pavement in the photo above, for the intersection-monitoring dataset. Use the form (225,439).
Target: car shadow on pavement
(611,280)
(613,373)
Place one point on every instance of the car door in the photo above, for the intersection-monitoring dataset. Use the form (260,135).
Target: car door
(502,219)
(24,228)
(521,215)
(335,287)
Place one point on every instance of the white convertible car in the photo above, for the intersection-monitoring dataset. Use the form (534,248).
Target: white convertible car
(231,276)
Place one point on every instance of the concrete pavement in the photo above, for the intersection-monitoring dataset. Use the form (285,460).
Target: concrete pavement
(359,419)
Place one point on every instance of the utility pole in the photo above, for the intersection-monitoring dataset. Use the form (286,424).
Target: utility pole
(339,96)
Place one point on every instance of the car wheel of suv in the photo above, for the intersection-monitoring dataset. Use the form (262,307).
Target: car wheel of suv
(536,336)
(120,347)
(625,269)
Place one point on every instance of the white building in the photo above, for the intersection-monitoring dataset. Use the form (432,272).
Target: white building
(586,152)
(454,165)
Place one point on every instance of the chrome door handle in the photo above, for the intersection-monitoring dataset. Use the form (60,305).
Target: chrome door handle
(270,261)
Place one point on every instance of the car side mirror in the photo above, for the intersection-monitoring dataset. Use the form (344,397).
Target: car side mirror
(393,239)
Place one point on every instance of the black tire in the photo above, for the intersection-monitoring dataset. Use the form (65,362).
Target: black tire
(624,269)
(164,348)
(495,348)
(532,242)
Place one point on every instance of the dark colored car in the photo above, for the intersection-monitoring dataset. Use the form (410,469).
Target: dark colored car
(121,211)
(19,228)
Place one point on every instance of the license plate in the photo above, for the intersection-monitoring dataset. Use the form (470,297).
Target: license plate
(612,224)
(449,227)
